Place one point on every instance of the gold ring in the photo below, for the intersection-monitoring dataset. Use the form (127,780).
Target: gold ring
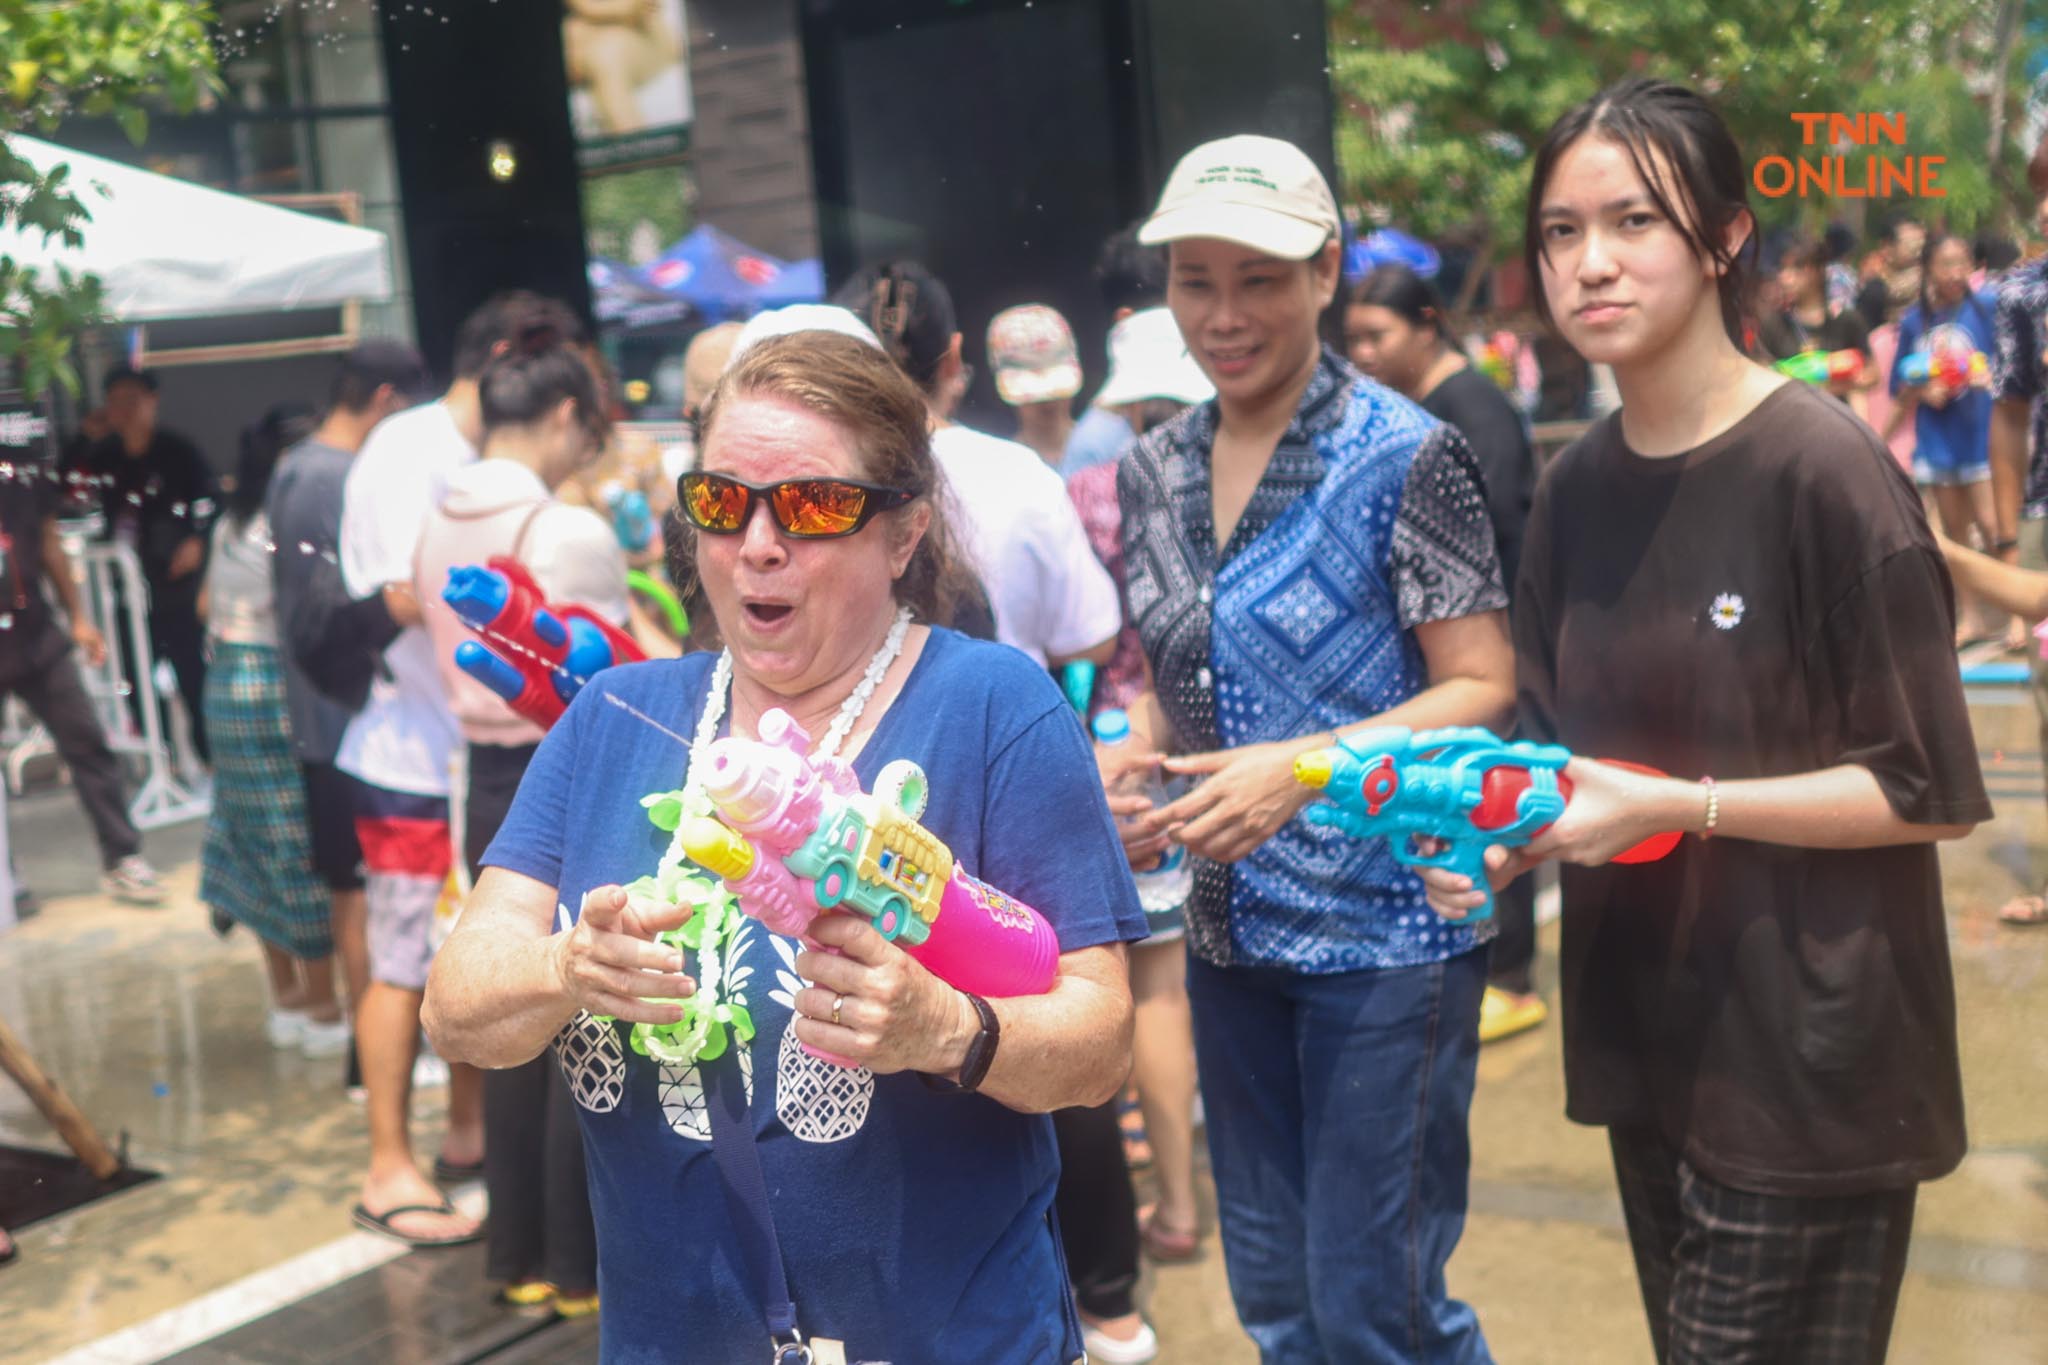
(837,1001)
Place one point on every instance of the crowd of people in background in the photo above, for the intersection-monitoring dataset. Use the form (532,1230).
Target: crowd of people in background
(1296,504)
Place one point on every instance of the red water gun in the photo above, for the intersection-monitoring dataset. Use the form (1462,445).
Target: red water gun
(539,656)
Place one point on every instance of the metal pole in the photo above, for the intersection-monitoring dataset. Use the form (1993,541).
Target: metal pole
(163,799)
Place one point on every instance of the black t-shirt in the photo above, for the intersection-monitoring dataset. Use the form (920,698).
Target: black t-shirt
(1783,335)
(1474,404)
(156,501)
(27,496)
(1768,604)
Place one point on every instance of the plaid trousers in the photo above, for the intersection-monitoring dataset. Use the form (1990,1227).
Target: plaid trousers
(1731,1277)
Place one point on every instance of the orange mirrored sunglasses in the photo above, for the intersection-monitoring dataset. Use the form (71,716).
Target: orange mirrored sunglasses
(810,509)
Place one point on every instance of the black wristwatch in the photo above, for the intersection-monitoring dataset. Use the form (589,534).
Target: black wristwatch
(982,1051)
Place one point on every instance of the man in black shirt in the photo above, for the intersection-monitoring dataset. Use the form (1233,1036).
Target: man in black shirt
(36,665)
(158,496)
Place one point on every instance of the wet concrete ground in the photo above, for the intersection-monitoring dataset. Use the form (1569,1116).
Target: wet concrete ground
(155,1027)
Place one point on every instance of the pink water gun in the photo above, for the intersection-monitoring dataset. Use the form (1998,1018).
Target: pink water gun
(795,837)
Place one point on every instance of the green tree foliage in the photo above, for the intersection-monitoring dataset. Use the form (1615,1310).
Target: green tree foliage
(616,204)
(99,59)
(1442,103)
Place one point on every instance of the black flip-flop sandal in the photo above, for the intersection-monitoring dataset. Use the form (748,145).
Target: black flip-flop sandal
(381,1223)
(450,1173)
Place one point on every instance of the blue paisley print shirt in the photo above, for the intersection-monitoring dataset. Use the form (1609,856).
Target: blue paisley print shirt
(2018,368)
(1371,520)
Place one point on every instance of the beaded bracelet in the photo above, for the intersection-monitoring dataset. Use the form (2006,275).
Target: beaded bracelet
(1713,807)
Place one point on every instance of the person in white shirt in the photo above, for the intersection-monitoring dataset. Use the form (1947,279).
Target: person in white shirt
(544,422)
(1051,597)
(398,749)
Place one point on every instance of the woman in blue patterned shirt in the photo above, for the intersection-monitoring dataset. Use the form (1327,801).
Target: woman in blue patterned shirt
(1310,553)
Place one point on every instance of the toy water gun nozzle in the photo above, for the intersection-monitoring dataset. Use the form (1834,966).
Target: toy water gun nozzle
(716,848)
(1313,769)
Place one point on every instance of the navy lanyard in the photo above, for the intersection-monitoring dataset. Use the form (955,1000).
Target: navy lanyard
(746,1195)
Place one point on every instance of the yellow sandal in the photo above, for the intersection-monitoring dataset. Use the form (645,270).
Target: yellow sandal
(574,1306)
(527,1295)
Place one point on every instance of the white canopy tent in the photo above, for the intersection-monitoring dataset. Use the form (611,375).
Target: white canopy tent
(165,248)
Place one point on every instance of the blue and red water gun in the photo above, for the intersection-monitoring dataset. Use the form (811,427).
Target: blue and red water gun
(539,656)
(1464,786)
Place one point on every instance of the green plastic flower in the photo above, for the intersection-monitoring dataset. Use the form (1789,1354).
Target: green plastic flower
(710,1023)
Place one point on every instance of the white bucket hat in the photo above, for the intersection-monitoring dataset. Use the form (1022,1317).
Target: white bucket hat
(1148,359)
(799,317)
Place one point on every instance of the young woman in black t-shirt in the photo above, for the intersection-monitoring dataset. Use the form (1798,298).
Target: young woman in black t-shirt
(1731,580)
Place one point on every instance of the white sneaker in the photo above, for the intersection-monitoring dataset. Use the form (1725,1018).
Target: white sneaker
(331,1038)
(285,1028)
(429,1072)
(134,881)
(1107,1350)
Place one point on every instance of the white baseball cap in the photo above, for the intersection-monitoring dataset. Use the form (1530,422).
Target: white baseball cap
(1148,359)
(1259,192)
(800,317)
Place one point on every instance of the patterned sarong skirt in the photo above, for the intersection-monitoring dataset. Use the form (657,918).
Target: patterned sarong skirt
(257,862)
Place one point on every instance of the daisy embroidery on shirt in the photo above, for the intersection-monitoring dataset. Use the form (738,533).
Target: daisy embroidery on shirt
(1726,613)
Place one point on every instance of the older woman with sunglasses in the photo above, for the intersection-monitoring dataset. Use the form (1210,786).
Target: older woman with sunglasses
(899,1206)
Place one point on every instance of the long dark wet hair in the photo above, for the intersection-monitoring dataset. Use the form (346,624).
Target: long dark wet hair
(1660,121)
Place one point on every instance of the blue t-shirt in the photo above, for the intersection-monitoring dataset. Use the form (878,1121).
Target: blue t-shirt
(914,1223)
(1098,437)
(1956,437)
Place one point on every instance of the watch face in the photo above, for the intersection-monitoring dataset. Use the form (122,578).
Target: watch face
(982,1050)
(979,1053)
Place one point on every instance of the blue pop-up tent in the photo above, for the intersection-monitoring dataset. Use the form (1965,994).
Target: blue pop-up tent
(621,299)
(722,277)
(1391,246)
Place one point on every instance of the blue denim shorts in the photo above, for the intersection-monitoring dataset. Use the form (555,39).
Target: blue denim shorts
(1962,476)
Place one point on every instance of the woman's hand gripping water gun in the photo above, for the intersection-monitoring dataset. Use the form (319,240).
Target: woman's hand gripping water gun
(1471,812)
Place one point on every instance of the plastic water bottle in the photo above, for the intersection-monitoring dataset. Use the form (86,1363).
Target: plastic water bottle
(1165,887)
(632,519)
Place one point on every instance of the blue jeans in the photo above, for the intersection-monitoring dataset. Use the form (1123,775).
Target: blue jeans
(1336,1112)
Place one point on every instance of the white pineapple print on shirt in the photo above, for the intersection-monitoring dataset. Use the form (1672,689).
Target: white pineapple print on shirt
(682,1096)
(816,1101)
(681,1088)
(589,1051)
(593,1062)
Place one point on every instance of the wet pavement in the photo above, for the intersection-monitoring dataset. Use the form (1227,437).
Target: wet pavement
(242,1251)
